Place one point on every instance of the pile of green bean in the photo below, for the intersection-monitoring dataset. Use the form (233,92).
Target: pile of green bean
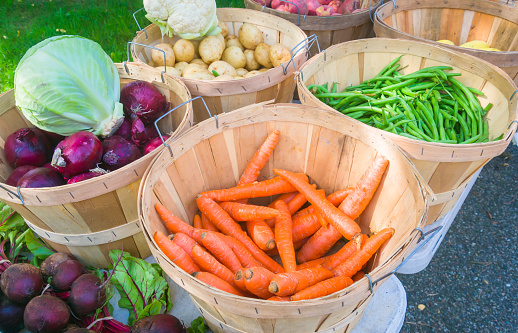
(429,104)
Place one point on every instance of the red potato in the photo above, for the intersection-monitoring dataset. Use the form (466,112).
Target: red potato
(312,6)
(335,4)
(349,6)
(46,314)
(324,2)
(261,2)
(325,10)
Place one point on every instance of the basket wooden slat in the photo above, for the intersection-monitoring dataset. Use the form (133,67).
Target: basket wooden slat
(333,152)
(65,216)
(460,21)
(225,96)
(447,168)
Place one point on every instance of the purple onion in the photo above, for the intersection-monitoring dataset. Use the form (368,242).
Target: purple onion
(141,133)
(85,176)
(18,173)
(118,152)
(53,138)
(153,144)
(77,154)
(125,129)
(27,146)
(41,177)
(143,100)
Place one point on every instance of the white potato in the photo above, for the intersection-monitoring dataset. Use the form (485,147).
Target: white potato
(180,66)
(251,63)
(158,56)
(232,40)
(223,78)
(211,49)
(262,70)
(224,28)
(234,56)
(195,72)
(251,73)
(250,36)
(222,68)
(222,41)
(172,71)
(183,50)
(262,55)
(279,54)
(200,63)
(241,71)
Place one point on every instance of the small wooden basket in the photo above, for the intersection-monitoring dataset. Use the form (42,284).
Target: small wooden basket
(334,153)
(225,96)
(460,21)
(446,167)
(94,216)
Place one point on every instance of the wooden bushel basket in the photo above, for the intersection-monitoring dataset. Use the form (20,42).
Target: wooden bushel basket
(334,153)
(330,30)
(446,167)
(94,216)
(460,21)
(225,96)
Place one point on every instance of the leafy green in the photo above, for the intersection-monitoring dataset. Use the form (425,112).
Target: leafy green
(142,287)
(38,249)
(198,326)
(10,220)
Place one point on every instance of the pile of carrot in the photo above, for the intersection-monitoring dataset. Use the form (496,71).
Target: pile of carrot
(232,243)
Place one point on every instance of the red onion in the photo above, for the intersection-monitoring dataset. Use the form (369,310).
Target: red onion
(76,154)
(87,175)
(27,146)
(118,152)
(143,100)
(153,144)
(41,177)
(53,138)
(17,173)
(125,129)
(141,133)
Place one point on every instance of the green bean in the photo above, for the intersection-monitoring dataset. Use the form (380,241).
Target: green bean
(422,86)
(472,139)
(487,109)
(399,116)
(363,108)
(399,123)
(335,95)
(399,85)
(335,87)
(382,78)
(476,91)
(464,125)
(428,115)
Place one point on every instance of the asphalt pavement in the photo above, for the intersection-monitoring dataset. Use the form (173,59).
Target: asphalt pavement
(471,284)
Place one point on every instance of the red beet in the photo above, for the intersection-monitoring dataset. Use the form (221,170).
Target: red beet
(46,314)
(21,282)
(125,129)
(49,266)
(17,173)
(78,153)
(79,330)
(27,146)
(87,294)
(162,323)
(66,273)
(118,152)
(143,100)
(41,177)
(85,176)
(11,315)
(141,133)
(153,144)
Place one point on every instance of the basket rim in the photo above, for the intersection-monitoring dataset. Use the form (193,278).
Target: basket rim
(447,149)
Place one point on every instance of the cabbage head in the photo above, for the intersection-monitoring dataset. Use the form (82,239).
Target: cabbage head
(67,84)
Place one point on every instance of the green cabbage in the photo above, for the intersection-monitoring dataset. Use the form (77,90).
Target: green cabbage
(67,84)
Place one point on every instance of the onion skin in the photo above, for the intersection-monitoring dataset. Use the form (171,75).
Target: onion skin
(143,100)
(18,173)
(27,146)
(77,154)
(125,129)
(142,133)
(41,177)
(153,144)
(118,152)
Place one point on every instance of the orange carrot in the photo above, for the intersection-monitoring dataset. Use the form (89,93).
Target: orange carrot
(358,276)
(289,283)
(220,250)
(311,263)
(258,161)
(335,198)
(239,280)
(265,188)
(343,223)
(283,238)
(286,197)
(229,227)
(298,201)
(279,298)
(185,242)
(257,280)
(210,264)
(296,245)
(344,253)
(246,259)
(207,224)
(319,244)
(305,226)
(244,212)
(360,258)
(323,288)
(261,234)
(173,223)
(197,222)
(175,253)
(356,203)
(216,282)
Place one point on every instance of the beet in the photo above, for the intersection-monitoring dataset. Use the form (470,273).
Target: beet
(48,266)
(87,294)
(143,100)
(11,315)
(18,173)
(41,177)
(125,129)
(21,282)
(27,146)
(118,152)
(46,314)
(77,153)
(79,330)
(141,133)
(162,323)
(153,144)
(66,273)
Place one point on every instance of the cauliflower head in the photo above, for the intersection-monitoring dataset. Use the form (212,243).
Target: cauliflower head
(188,19)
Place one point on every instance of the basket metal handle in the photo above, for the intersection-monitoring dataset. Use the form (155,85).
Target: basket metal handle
(508,2)
(434,232)
(136,21)
(173,109)
(305,43)
(17,195)
(298,11)
(151,47)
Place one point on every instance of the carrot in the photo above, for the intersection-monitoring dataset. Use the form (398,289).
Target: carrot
(344,253)
(258,161)
(239,279)
(289,283)
(220,250)
(296,245)
(197,222)
(229,227)
(279,299)
(319,244)
(257,280)
(173,223)
(246,259)
(323,288)
(343,223)
(207,224)
(210,264)
(305,226)
(244,212)
(286,197)
(185,242)
(175,253)
(265,188)
(261,234)
(356,203)
(311,263)
(283,238)
(298,201)
(216,282)
(360,258)
(358,276)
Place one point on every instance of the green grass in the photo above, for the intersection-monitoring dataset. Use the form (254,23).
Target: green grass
(108,22)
